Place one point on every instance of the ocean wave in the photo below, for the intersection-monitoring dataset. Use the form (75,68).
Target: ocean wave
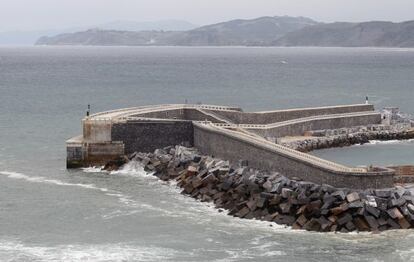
(39,179)
(178,205)
(122,198)
(385,142)
(133,168)
(11,250)
(93,169)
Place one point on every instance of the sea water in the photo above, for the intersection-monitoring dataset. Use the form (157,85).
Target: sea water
(48,213)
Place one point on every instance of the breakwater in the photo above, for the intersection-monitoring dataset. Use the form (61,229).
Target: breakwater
(216,130)
(348,139)
(255,194)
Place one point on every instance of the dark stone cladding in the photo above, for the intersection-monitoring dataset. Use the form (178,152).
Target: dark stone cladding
(226,146)
(146,136)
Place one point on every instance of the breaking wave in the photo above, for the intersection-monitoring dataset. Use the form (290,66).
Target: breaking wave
(18,251)
(133,168)
(175,205)
(381,142)
(39,179)
(93,169)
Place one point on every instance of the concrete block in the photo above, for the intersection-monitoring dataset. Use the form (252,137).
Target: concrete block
(395,213)
(354,196)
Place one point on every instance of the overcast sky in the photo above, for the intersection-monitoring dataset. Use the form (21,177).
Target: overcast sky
(46,14)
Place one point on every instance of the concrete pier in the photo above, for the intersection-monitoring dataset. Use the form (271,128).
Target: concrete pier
(229,133)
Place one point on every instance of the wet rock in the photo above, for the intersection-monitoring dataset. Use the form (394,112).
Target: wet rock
(372,222)
(339,194)
(354,196)
(249,193)
(395,213)
(373,211)
(344,219)
(404,223)
(382,193)
(286,193)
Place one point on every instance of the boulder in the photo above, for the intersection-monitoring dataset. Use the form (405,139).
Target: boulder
(354,196)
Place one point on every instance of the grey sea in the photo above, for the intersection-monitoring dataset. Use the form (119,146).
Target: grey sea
(48,213)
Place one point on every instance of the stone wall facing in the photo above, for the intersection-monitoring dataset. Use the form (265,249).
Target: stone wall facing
(335,122)
(267,117)
(226,146)
(146,136)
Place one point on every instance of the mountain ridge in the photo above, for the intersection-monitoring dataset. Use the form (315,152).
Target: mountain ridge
(29,37)
(344,34)
(262,31)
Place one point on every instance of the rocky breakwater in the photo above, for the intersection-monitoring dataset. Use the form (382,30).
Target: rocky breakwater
(347,139)
(252,194)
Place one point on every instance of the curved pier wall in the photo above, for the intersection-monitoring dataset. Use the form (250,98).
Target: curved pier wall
(163,114)
(268,117)
(146,136)
(184,114)
(234,148)
(299,128)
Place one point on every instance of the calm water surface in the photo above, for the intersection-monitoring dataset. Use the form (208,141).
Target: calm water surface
(50,214)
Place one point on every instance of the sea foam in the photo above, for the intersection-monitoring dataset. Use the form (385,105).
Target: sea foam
(12,250)
(39,179)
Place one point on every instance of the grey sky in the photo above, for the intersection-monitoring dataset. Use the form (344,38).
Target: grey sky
(45,14)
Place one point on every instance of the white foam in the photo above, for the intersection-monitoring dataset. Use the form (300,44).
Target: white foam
(384,142)
(132,168)
(406,255)
(18,251)
(39,179)
(181,205)
(93,169)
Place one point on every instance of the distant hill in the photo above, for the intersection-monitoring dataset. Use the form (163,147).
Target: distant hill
(379,34)
(260,31)
(30,37)
(263,31)
(110,38)
(161,25)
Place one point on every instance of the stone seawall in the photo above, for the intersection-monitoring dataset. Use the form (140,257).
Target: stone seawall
(314,143)
(193,114)
(107,135)
(232,147)
(300,126)
(267,117)
(146,136)
(252,194)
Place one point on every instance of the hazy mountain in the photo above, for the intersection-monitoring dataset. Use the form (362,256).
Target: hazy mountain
(260,31)
(30,37)
(162,25)
(110,38)
(380,34)
(264,31)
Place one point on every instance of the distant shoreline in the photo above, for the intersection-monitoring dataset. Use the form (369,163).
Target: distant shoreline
(213,47)
(265,31)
